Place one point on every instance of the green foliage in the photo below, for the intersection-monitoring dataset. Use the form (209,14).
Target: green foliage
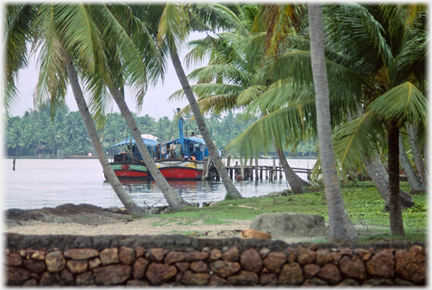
(364,205)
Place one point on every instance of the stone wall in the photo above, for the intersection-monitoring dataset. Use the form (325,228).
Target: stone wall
(179,260)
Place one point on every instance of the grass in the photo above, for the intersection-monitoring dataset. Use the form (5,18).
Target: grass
(363,203)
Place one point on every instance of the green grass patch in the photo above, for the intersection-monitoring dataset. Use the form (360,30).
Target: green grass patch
(364,205)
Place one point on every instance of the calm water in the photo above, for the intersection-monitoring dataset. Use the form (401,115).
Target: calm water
(38,183)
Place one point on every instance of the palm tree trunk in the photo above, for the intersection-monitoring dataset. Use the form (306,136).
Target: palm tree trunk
(341,227)
(291,176)
(217,160)
(396,223)
(174,200)
(380,178)
(418,158)
(412,176)
(127,201)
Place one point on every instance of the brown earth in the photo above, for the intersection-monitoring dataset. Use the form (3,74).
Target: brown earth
(85,219)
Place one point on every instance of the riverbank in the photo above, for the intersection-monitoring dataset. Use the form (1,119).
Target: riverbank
(225,218)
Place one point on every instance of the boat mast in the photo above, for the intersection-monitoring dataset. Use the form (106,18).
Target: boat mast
(180,123)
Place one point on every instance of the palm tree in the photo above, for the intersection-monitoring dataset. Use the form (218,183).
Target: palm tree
(171,30)
(341,227)
(60,30)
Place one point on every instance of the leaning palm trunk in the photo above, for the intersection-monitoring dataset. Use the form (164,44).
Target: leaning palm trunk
(127,201)
(341,227)
(380,178)
(174,200)
(291,176)
(217,160)
(418,158)
(396,222)
(412,176)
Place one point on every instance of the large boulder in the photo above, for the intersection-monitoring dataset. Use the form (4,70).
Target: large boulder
(282,225)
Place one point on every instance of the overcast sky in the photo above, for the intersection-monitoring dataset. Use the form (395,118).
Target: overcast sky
(155,101)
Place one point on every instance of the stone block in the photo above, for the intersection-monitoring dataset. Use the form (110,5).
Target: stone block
(81,254)
(291,274)
(251,260)
(197,279)
(55,262)
(275,261)
(109,256)
(112,274)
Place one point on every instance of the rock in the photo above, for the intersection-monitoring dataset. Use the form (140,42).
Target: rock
(190,278)
(127,255)
(182,266)
(17,276)
(139,268)
(199,266)
(323,257)
(349,282)
(336,256)
(224,268)
(174,257)
(196,256)
(291,255)
(314,282)
(311,270)
(31,283)
(137,283)
(330,273)
(305,256)
(244,278)
(14,259)
(77,266)
(109,256)
(55,261)
(411,264)
(85,279)
(112,274)
(93,263)
(274,261)
(215,254)
(268,279)
(382,264)
(364,254)
(160,273)
(353,267)
(34,266)
(291,274)
(139,251)
(251,261)
(81,254)
(51,279)
(67,277)
(218,281)
(346,251)
(313,247)
(155,255)
(377,282)
(232,255)
(38,255)
(264,252)
(280,225)
(402,282)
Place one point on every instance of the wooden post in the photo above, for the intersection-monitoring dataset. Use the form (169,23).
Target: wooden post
(256,167)
(274,168)
(13,164)
(261,173)
(280,170)
(228,160)
(266,172)
(242,169)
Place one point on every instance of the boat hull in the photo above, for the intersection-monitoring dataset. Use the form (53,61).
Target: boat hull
(178,169)
(130,170)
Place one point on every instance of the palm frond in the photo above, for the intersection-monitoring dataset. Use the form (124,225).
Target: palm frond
(403,104)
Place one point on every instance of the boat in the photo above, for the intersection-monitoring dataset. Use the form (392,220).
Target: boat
(128,162)
(182,158)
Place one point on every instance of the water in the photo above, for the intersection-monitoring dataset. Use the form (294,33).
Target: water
(38,183)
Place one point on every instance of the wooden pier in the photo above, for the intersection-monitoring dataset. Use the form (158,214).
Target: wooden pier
(259,172)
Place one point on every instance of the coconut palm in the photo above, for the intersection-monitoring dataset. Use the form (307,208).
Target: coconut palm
(341,227)
(176,21)
(64,34)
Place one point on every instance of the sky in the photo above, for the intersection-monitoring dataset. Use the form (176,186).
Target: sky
(155,101)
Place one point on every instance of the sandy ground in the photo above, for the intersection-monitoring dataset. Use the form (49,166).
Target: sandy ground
(147,226)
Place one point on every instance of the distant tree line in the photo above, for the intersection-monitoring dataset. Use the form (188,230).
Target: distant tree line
(35,133)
